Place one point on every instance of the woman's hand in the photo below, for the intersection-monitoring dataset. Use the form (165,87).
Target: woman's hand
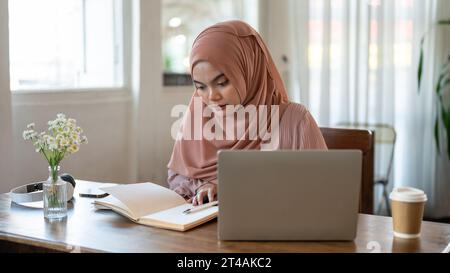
(208,190)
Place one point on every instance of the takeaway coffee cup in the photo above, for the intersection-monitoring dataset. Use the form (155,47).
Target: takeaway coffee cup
(407,211)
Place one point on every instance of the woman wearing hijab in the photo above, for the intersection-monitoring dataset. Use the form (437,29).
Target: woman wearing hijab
(231,65)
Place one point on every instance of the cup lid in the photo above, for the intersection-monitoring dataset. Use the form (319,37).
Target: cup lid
(408,194)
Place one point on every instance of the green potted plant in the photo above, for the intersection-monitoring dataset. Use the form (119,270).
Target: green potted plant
(442,91)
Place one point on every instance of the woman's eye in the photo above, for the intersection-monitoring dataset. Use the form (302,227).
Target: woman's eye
(223,83)
(201,87)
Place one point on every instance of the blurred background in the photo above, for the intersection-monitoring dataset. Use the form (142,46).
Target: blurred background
(119,66)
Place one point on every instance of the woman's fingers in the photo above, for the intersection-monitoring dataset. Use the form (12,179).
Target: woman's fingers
(209,192)
(200,196)
(210,195)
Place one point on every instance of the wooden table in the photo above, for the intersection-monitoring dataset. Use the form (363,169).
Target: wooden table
(87,230)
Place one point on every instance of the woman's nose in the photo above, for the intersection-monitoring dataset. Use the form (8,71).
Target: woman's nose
(214,95)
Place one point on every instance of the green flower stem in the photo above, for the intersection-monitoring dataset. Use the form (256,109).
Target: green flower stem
(54,171)
(53,161)
(53,200)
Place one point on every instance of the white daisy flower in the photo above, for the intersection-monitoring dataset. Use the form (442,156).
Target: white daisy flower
(63,136)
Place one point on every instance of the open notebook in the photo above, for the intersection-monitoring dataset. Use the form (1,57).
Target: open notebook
(154,205)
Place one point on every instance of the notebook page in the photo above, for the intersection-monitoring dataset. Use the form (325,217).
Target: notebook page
(110,202)
(175,216)
(145,198)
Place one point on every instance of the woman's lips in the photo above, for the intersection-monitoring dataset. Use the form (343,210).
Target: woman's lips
(218,109)
(223,110)
(223,106)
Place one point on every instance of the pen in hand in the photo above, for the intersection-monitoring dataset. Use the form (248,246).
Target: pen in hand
(197,208)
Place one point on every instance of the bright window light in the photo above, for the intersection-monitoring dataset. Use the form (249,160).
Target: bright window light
(66,44)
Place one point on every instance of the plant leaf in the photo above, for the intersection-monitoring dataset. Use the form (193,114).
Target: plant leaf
(443,115)
(446,82)
(446,122)
(438,85)
(447,126)
(444,22)
(444,78)
(420,67)
(436,135)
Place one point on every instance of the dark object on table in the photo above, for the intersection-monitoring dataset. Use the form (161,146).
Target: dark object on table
(68,178)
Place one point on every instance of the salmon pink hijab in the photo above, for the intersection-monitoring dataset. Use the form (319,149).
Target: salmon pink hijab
(238,51)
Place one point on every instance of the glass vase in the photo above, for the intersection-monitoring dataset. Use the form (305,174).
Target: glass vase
(55,196)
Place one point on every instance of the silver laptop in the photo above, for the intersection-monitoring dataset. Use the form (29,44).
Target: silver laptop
(289,195)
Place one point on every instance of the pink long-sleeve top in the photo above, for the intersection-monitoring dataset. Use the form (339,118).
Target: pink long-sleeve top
(298,131)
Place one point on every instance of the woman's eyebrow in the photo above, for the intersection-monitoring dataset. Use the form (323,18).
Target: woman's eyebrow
(215,79)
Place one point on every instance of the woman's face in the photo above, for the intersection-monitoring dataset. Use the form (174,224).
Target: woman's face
(213,86)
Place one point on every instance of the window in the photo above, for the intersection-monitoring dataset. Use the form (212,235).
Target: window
(66,44)
(182,21)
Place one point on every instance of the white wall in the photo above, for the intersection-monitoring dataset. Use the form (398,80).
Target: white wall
(274,28)
(103,115)
(152,103)
(169,97)
(6,163)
